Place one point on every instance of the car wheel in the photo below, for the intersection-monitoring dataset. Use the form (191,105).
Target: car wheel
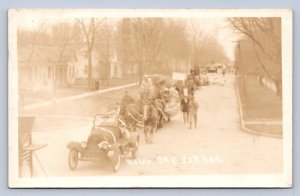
(135,151)
(116,161)
(73,159)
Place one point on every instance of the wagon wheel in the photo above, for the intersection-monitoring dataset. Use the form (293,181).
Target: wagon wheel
(73,159)
(116,161)
(146,132)
(135,151)
(161,122)
(169,117)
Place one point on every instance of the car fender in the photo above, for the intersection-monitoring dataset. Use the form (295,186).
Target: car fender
(75,145)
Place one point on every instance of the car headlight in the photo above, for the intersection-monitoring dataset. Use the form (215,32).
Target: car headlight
(110,154)
(104,145)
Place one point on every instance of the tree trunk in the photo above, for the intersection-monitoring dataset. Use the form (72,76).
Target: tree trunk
(140,75)
(90,69)
(141,70)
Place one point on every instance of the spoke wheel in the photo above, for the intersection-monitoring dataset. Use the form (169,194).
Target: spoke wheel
(73,159)
(135,151)
(116,161)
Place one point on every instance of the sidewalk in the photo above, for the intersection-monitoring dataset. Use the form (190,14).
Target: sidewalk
(78,109)
(79,96)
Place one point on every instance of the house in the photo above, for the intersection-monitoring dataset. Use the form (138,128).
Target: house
(77,69)
(45,67)
(115,66)
(102,68)
(42,67)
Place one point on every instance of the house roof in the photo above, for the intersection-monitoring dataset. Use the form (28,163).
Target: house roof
(43,55)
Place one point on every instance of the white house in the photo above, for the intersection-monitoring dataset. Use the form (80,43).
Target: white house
(40,69)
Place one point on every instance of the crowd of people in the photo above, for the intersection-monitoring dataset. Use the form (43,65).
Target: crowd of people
(188,105)
(154,93)
(158,91)
(189,108)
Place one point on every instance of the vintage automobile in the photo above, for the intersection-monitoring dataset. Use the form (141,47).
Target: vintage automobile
(108,139)
(215,78)
(204,80)
(212,68)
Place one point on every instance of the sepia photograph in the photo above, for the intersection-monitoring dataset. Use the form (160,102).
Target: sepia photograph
(103,98)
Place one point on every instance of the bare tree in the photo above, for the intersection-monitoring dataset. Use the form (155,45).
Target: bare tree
(65,35)
(199,37)
(31,40)
(89,28)
(105,47)
(147,36)
(265,34)
(124,46)
(176,53)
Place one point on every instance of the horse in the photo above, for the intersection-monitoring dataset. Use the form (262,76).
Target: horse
(140,104)
(130,114)
(150,118)
(160,105)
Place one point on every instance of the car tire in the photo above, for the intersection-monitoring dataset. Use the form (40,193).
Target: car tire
(116,161)
(73,159)
(161,122)
(135,151)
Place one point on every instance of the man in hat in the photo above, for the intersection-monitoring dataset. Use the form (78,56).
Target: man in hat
(193,110)
(127,99)
(184,108)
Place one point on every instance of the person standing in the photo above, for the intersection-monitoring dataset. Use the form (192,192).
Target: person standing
(127,99)
(184,109)
(193,110)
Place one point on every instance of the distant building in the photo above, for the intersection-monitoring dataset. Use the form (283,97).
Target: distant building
(77,69)
(41,68)
(45,67)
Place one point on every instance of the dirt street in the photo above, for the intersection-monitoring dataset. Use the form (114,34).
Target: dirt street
(217,146)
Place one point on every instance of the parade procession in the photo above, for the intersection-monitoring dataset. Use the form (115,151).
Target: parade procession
(117,134)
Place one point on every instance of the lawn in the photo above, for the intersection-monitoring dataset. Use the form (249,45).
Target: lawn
(259,102)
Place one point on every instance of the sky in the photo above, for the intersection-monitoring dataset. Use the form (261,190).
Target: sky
(216,26)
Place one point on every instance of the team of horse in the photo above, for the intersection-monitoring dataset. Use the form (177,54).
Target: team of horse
(147,113)
(149,109)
